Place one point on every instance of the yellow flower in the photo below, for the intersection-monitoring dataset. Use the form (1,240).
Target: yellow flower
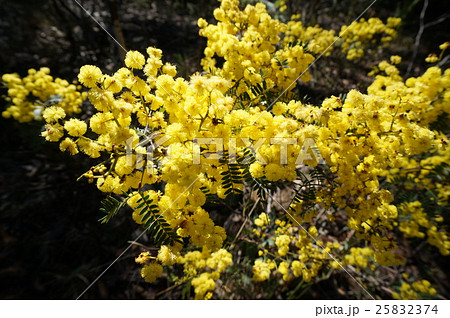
(154,52)
(91,148)
(282,6)
(169,69)
(151,272)
(53,132)
(69,145)
(283,242)
(415,291)
(432,58)
(143,258)
(219,260)
(262,220)
(202,23)
(53,114)
(202,285)
(261,270)
(395,59)
(444,45)
(75,127)
(89,75)
(134,59)
(257,170)
(167,256)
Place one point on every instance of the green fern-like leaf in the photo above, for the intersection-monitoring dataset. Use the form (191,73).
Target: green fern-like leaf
(156,226)
(231,176)
(306,192)
(211,198)
(110,206)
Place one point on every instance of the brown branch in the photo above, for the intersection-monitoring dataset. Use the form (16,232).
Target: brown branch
(114,11)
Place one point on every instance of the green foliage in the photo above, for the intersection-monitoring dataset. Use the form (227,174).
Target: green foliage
(209,196)
(155,225)
(232,176)
(110,206)
(441,173)
(305,192)
(260,94)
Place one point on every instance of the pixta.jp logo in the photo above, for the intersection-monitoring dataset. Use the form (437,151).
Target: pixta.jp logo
(144,150)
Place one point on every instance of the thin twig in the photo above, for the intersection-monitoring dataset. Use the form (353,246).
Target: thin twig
(444,61)
(142,245)
(269,204)
(243,223)
(418,36)
(441,19)
(169,289)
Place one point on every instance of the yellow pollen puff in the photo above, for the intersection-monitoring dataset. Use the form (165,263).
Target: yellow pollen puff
(151,272)
(89,75)
(134,60)
(75,127)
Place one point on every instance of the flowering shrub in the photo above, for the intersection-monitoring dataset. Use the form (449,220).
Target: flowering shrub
(168,146)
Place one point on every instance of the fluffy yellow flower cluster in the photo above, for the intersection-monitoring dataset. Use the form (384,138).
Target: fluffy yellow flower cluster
(358,256)
(414,219)
(426,99)
(315,38)
(30,95)
(261,269)
(249,43)
(296,253)
(211,265)
(175,110)
(151,272)
(353,40)
(153,266)
(417,290)
(361,34)
(202,268)
(368,134)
